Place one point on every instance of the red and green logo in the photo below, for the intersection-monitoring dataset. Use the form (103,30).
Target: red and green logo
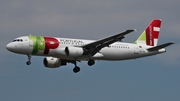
(43,44)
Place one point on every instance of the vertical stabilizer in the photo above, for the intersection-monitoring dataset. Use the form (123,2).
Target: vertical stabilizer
(151,34)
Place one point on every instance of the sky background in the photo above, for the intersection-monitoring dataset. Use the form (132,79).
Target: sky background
(155,78)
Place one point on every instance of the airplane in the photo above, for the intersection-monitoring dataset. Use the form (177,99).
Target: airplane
(60,51)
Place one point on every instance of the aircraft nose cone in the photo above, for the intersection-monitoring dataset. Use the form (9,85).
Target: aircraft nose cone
(9,47)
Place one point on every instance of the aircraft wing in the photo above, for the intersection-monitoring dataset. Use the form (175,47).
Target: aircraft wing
(94,47)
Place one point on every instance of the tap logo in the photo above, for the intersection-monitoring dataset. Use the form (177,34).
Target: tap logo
(50,43)
(43,44)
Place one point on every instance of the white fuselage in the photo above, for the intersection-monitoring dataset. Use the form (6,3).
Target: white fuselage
(115,51)
(60,51)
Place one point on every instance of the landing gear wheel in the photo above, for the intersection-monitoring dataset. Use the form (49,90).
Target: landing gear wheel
(76,69)
(91,62)
(28,62)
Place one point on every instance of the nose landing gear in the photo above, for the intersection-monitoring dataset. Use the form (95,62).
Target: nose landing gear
(28,62)
(29,59)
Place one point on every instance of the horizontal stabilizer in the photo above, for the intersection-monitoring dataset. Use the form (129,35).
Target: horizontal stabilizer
(160,46)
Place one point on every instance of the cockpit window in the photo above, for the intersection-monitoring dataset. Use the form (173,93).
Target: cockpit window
(18,40)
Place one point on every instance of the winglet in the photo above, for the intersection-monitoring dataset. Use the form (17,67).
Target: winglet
(160,46)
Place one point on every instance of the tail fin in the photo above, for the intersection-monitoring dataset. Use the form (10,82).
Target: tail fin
(151,33)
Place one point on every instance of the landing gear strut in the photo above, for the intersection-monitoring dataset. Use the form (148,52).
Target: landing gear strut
(29,59)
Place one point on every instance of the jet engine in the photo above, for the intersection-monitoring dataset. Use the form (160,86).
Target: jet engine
(51,62)
(74,51)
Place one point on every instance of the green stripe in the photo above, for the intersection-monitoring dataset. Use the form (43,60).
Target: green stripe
(38,43)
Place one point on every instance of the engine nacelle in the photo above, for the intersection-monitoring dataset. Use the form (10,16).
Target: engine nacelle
(51,62)
(74,51)
(61,51)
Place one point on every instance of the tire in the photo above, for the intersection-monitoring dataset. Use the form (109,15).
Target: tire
(76,69)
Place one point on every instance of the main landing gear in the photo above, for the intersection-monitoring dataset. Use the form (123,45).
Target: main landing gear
(29,59)
(91,62)
(76,69)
